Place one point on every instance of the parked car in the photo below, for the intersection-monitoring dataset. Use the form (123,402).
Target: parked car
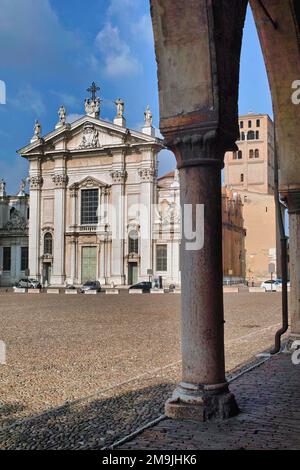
(272,285)
(145,286)
(91,285)
(29,283)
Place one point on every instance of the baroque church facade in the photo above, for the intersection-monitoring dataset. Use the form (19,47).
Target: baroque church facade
(93,190)
(98,211)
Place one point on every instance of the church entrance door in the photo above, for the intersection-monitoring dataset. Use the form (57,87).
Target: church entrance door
(46,274)
(132,273)
(88,263)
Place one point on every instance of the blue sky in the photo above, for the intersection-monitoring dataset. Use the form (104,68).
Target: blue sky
(51,50)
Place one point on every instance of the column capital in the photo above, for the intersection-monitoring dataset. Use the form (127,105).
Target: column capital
(118,176)
(204,146)
(146,174)
(60,180)
(35,182)
(291,197)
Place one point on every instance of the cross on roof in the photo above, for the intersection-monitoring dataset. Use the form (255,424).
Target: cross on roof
(93,90)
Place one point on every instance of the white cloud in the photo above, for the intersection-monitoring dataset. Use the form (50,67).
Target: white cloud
(117,7)
(73,117)
(66,99)
(118,57)
(142,29)
(29,99)
(31,37)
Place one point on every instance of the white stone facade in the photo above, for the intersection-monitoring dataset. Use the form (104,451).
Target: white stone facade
(93,191)
(14,212)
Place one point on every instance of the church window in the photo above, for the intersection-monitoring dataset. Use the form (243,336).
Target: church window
(251,153)
(48,244)
(240,154)
(257,135)
(242,177)
(258,123)
(161,258)
(256,153)
(89,206)
(133,242)
(241,124)
(251,135)
(6,258)
(24,258)
(249,124)
(234,155)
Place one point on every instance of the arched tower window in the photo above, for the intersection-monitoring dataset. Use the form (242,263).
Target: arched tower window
(251,153)
(256,153)
(133,242)
(48,242)
(240,154)
(251,135)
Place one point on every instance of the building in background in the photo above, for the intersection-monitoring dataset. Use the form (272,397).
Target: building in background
(250,172)
(14,213)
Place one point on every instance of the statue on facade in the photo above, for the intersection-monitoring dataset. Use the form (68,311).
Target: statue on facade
(37,131)
(148,117)
(92,105)
(120,107)
(62,115)
(2,188)
(37,128)
(22,187)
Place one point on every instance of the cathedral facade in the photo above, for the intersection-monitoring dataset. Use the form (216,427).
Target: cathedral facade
(98,211)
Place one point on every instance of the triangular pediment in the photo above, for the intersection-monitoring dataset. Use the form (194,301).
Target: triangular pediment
(88,182)
(86,134)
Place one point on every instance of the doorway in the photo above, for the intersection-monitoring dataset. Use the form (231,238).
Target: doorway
(132,273)
(88,263)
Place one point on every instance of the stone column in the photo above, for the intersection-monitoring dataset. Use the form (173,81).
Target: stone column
(118,191)
(74,260)
(58,270)
(35,182)
(203,393)
(292,198)
(146,199)
(294,222)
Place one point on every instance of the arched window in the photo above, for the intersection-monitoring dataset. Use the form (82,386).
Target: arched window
(242,177)
(240,155)
(133,242)
(256,153)
(234,155)
(243,135)
(251,135)
(48,244)
(257,135)
(251,153)
(257,122)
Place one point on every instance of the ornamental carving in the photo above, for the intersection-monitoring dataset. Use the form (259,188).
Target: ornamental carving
(118,176)
(16,222)
(35,182)
(60,180)
(146,173)
(90,137)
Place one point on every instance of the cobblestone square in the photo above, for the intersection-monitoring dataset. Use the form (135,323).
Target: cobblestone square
(83,371)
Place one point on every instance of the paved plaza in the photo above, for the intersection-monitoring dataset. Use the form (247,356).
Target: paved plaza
(83,371)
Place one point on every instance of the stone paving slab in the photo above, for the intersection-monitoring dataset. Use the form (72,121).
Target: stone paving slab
(269,399)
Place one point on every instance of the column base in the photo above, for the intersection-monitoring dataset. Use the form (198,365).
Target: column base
(201,403)
(291,344)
